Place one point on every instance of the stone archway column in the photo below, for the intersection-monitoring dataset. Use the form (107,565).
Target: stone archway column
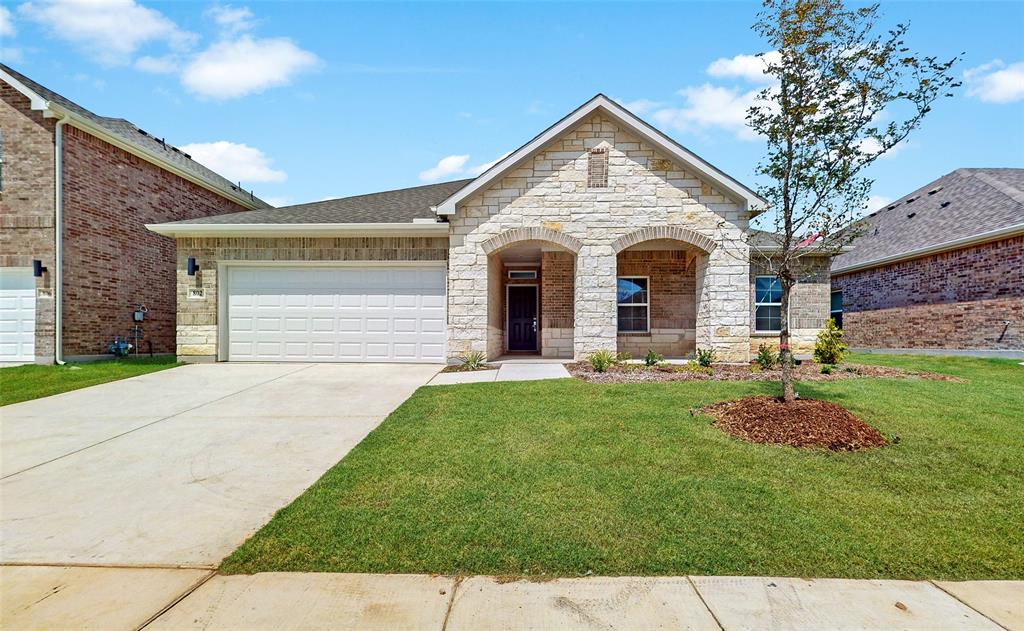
(596,313)
(723,301)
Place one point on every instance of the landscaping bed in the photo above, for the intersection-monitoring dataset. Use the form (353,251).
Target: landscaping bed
(802,423)
(806,371)
(465,368)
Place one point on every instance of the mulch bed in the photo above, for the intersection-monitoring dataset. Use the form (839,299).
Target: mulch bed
(807,423)
(464,368)
(807,371)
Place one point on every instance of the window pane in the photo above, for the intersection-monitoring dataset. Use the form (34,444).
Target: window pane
(632,290)
(837,301)
(767,289)
(632,319)
(768,319)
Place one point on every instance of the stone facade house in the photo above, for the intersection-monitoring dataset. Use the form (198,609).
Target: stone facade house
(941,268)
(76,261)
(600,233)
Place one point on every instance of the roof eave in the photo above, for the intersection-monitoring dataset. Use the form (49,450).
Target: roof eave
(991,235)
(299,230)
(751,202)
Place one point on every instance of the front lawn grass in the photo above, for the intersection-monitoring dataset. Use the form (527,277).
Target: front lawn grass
(565,478)
(23,383)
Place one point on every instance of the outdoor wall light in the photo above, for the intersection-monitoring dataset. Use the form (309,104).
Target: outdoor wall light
(192,266)
(37,268)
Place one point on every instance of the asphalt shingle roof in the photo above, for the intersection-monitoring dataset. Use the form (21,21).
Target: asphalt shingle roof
(132,135)
(399,206)
(959,205)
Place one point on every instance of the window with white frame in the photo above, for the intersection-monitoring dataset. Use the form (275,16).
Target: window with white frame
(767,304)
(836,308)
(633,297)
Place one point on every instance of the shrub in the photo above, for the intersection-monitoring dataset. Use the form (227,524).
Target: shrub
(652,358)
(602,360)
(766,357)
(622,357)
(474,360)
(827,369)
(705,357)
(829,347)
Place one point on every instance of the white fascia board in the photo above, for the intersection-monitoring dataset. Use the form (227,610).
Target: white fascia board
(702,168)
(991,235)
(36,102)
(299,230)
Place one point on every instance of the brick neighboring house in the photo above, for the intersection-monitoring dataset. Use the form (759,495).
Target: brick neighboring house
(941,268)
(600,233)
(100,180)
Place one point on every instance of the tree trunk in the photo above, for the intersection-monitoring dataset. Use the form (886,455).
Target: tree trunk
(785,354)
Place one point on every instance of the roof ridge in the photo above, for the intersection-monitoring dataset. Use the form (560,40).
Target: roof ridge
(1010,191)
(393,190)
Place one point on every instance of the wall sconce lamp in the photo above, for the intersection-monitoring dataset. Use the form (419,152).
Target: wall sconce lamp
(192,266)
(38,268)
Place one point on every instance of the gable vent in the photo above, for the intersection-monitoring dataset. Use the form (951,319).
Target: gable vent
(597,168)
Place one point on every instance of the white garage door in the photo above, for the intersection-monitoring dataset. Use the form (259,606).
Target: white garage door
(17,315)
(336,314)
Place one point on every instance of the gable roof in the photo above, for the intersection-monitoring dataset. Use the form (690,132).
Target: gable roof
(703,169)
(960,208)
(406,208)
(125,134)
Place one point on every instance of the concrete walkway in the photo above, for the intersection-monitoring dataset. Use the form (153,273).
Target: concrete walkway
(508,371)
(188,599)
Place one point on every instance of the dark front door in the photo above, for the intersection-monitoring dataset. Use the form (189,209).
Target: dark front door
(522,318)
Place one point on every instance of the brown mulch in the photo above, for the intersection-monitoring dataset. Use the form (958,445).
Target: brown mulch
(807,371)
(802,423)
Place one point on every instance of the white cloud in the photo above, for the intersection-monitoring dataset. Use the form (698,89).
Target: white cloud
(995,82)
(157,65)
(747,67)
(235,161)
(277,202)
(232,19)
(456,165)
(877,202)
(449,165)
(871,146)
(234,68)
(11,55)
(6,23)
(708,107)
(480,168)
(109,30)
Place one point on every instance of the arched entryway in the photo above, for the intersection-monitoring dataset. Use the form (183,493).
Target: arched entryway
(658,290)
(530,293)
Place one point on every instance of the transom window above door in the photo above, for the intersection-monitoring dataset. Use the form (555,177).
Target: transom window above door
(633,297)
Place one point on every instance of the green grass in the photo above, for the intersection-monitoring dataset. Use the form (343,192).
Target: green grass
(24,383)
(562,478)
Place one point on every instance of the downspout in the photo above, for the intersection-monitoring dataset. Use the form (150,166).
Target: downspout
(58,230)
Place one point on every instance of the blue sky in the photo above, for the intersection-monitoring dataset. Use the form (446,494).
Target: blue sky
(310,100)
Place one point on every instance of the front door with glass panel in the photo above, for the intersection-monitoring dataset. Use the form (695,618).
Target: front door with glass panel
(522,318)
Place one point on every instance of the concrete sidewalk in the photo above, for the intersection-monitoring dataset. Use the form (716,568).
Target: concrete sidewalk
(524,371)
(54,597)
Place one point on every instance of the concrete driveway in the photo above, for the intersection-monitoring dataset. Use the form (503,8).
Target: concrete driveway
(177,468)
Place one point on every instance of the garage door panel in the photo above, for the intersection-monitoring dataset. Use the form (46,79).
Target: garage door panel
(336,314)
(17,314)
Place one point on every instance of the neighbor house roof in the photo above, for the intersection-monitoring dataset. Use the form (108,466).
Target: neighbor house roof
(705,170)
(961,208)
(406,208)
(122,132)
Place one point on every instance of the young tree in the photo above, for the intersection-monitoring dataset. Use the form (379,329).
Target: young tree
(843,95)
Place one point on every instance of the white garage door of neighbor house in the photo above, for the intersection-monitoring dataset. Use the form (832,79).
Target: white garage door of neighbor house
(336,314)
(17,314)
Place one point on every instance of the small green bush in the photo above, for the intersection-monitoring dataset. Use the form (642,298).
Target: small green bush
(829,347)
(622,357)
(766,357)
(705,357)
(602,360)
(827,369)
(474,360)
(652,358)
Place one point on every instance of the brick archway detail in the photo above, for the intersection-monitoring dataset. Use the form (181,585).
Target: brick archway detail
(536,233)
(675,233)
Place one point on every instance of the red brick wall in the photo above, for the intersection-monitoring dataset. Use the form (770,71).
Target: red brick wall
(673,285)
(556,289)
(111,262)
(952,300)
(27,203)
